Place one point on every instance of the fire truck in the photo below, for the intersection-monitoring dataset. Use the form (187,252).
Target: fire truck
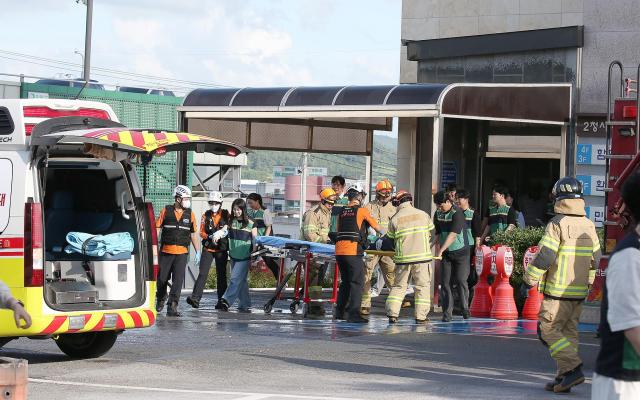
(622,158)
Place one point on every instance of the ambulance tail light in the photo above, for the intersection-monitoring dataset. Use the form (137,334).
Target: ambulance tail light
(47,112)
(154,241)
(33,246)
(28,128)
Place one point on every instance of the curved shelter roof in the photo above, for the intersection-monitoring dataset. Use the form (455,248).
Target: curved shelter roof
(341,119)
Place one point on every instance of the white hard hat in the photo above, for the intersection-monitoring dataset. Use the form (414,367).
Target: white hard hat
(357,187)
(215,196)
(181,191)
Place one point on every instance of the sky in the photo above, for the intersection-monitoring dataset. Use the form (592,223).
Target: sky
(207,42)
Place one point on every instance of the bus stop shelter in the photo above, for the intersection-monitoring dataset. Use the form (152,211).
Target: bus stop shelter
(467,123)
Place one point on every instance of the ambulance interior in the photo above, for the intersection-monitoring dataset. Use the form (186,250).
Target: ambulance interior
(525,158)
(90,196)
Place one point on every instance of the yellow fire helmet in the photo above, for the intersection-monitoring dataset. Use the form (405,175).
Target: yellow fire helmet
(327,195)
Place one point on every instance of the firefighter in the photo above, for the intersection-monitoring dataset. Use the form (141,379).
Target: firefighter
(214,228)
(178,226)
(315,228)
(351,241)
(565,267)
(381,210)
(409,234)
(499,217)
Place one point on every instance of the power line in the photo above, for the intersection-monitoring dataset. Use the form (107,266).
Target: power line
(67,63)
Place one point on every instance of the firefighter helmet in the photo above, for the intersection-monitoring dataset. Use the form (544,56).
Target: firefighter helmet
(384,186)
(327,195)
(567,188)
(402,196)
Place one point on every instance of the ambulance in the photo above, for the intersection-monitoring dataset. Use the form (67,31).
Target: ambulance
(68,166)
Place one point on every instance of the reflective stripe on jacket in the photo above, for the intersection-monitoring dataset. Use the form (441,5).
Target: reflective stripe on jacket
(315,224)
(410,229)
(569,253)
(381,213)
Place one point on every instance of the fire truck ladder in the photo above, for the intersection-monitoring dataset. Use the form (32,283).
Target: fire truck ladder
(633,127)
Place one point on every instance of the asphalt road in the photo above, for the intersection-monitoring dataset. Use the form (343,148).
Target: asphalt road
(213,355)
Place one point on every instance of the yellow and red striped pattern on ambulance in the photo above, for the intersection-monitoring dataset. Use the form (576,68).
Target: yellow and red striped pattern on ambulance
(145,140)
(48,322)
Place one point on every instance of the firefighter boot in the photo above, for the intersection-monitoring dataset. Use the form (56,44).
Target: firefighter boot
(569,380)
(172,309)
(556,381)
(365,310)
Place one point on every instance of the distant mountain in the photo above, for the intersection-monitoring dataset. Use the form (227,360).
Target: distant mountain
(260,163)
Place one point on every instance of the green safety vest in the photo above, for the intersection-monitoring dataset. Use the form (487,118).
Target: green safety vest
(240,241)
(335,211)
(468,232)
(445,221)
(498,218)
(258,220)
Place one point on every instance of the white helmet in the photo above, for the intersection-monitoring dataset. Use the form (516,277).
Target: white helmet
(356,188)
(215,196)
(181,191)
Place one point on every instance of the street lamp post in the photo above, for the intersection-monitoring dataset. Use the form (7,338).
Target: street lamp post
(81,56)
(87,41)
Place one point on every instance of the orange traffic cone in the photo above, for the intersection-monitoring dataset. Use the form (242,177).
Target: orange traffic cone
(504,306)
(534,301)
(482,295)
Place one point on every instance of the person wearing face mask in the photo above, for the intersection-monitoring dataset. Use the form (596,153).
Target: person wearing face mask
(177,226)
(242,234)
(381,210)
(351,240)
(262,220)
(214,228)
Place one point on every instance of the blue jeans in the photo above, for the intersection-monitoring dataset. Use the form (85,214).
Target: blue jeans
(239,285)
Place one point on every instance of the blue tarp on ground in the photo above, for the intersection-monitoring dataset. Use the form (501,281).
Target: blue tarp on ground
(275,241)
(99,245)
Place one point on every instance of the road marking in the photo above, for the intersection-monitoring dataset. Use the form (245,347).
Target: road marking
(245,395)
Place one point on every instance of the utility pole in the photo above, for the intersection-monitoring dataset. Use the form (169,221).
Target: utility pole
(86,70)
(303,185)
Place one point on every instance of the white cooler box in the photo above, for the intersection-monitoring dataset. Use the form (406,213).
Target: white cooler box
(115,280)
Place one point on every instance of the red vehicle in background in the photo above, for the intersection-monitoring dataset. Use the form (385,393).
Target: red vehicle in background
(622,159)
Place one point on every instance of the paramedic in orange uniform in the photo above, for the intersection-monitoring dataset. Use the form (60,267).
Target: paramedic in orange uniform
(178,226)
(351,239)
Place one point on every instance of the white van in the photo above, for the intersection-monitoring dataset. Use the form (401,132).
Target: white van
(67,166)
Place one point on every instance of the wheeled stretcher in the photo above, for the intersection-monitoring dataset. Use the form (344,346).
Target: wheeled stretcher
(306,255)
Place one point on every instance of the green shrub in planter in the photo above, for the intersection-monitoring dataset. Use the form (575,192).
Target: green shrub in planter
(519,240)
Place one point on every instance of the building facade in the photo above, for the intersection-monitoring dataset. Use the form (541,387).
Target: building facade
(521,41)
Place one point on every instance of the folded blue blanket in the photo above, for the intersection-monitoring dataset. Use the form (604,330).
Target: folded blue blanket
(99,245)
(275,241)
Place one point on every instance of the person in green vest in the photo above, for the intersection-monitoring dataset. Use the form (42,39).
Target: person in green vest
(449,222)
(262,220)
(499,217)
(337,184)
(242,234)
(472,232)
